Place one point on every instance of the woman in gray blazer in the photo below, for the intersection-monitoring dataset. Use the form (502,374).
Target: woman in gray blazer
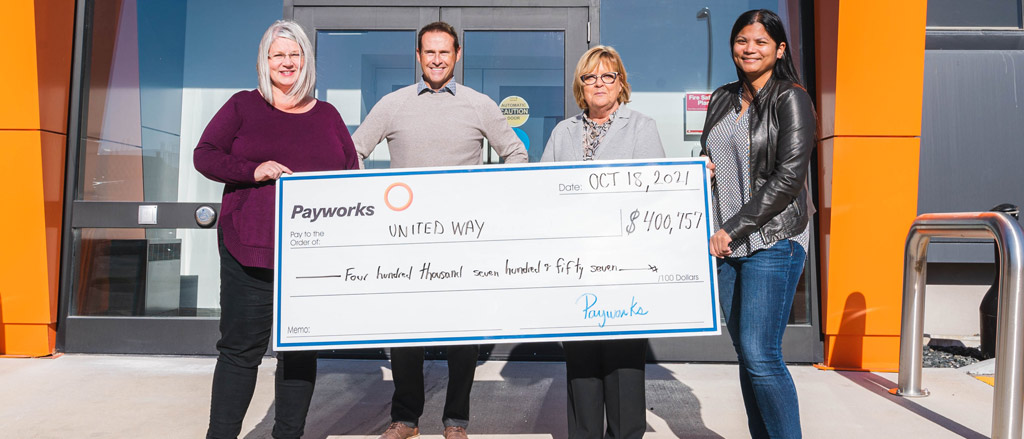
(604,376)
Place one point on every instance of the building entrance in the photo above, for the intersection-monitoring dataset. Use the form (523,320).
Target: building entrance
(141,273)
(365,52)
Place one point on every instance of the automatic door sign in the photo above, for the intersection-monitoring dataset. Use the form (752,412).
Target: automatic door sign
(516,110)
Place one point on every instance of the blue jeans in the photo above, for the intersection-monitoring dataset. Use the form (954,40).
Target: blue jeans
(757,293)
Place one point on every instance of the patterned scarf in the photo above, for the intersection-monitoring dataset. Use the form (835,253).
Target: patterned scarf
(593,134)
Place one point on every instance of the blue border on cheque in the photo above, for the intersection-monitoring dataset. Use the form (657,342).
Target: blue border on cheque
(489,168)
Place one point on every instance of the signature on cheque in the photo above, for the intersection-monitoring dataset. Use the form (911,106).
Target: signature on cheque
(592,312)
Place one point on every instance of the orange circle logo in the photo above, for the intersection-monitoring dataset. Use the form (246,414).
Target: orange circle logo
(387,197)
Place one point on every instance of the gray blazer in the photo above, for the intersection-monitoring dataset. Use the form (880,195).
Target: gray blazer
(633,135)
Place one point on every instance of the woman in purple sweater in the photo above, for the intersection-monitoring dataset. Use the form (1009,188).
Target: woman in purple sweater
(254,138)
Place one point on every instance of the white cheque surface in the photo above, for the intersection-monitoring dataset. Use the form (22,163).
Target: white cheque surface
(523,253)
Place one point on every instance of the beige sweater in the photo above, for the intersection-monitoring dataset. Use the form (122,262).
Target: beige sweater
(438,129)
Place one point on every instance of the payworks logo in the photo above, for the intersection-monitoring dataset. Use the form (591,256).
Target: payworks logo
(315,213)
(398,196)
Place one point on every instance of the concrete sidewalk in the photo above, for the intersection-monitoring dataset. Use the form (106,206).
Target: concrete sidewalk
(92,396)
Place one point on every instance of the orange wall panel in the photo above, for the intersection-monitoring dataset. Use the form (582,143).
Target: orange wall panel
(879,67)
(25,292)
(20,108)
(33,127)
(874,202)
(862,353)
(54,27)
(870,72)
(28,340)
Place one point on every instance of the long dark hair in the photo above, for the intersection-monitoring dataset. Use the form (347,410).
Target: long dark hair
(784,69)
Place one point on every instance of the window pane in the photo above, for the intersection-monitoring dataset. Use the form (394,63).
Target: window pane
(157,73)
(665,48)
(529,65)
(975,13)
(147,272)
(357,68)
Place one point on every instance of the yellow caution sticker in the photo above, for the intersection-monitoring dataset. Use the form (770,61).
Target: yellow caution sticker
(515,109)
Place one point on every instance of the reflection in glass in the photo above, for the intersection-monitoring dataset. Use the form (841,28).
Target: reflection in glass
(664,45)
(120,272)
(527,64)
(357,68)
(132,136)
(155,74)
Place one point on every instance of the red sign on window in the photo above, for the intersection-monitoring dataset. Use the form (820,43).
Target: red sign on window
(696,110)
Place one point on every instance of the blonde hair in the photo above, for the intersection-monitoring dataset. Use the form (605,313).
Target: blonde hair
(590,62)
(306,82)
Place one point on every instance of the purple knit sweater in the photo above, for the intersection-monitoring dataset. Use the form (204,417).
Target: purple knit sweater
(248,131)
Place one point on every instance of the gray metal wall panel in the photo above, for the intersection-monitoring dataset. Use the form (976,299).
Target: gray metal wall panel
(972,137)
(975,13)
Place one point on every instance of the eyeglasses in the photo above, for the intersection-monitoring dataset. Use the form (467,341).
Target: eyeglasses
(280,57)
(607,78)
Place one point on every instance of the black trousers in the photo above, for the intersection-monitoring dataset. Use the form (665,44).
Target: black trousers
(606,377)
(408,399)
(247,308)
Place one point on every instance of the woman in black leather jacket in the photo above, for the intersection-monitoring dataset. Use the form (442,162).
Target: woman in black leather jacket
(759,132)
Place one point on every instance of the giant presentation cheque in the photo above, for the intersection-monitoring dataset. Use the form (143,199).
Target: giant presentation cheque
(494,254)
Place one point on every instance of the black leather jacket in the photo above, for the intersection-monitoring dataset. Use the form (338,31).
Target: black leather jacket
(782,135)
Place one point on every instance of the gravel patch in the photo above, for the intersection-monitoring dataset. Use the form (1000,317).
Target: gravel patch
(951,356)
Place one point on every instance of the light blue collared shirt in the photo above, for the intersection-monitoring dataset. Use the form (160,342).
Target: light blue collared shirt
(422,86)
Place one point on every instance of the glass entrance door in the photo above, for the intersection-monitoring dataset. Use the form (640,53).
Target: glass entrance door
(142,276)
(521,57)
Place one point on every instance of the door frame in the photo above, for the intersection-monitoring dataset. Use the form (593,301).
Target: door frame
(95,334)
(528,15)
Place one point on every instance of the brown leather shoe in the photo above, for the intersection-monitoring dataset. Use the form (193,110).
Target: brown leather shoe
(455,433)
(398,430)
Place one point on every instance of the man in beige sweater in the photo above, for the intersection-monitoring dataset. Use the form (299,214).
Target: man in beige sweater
(435,122)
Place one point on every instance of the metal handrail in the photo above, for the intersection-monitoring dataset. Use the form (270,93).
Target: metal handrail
(1008,398)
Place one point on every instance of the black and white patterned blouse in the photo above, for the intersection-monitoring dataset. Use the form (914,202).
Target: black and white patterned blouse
(593,134)
(729,143)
